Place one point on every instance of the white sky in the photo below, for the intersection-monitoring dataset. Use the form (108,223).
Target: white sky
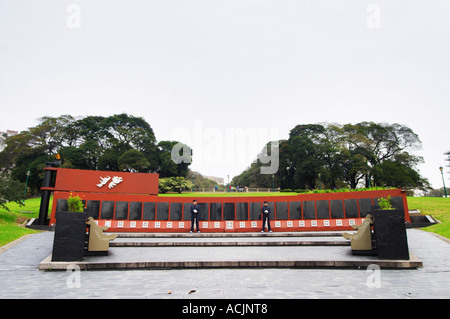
(209,67)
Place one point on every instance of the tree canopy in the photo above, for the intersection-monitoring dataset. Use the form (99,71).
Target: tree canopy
(343,156)
(119,142)
(314,156)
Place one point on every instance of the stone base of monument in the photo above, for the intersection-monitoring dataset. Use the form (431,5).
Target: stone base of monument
(252,250)
(69,239)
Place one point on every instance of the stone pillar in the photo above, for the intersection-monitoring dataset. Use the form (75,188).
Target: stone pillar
(49,178)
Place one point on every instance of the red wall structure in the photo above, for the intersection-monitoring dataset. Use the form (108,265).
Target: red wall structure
(133,205)
(88,181)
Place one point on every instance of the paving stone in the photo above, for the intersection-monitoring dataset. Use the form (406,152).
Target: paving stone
(20,277)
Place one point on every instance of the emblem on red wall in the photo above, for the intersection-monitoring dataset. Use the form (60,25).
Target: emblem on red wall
(114,181)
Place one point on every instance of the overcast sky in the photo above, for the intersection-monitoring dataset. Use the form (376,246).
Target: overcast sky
(215,69)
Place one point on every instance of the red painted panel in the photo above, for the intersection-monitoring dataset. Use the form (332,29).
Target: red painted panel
(331,224)
(77,180)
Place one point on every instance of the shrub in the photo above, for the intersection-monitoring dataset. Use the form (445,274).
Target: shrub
(75,204)
(385,203)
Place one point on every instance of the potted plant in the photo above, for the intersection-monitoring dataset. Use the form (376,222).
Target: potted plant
(390,231)
(75,204)
(385,203)
(70,231)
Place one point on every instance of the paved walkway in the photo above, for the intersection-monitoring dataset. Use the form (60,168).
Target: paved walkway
(20,277)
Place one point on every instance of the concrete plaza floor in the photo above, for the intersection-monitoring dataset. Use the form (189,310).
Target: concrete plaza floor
(21,278)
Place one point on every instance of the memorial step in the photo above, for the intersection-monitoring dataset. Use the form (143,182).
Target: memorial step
(233,235)
(226,239)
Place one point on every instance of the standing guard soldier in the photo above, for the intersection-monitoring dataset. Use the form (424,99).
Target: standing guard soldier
(265,211)
(195,210)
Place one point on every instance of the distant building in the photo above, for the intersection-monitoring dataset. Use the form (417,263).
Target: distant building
(218,180)
(4,135)
(8,133)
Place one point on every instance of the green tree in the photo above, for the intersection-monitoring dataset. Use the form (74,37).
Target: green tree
(92,151)
(399,175)
(74,157)
(167,167)
(378,142)
(34,162)
(10,191)
(118,142)
(165,184)
(180,184)
(127,130)
(199,180)
(252,176)
(175,184)
(339,156)
(109,160)
(89,129)
(306,157)
(354,167)
(133,161)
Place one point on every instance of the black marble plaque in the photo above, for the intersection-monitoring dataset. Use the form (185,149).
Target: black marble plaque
(365,206)
(228,211)
(397,202)
(61,205)
(242,211)
(135,211)
(255,211)
(309,210)
(215,211)
(149,211)
(351,208)
(323,209)
(93,209)
(176,210)
(295,210)
(282,210)
(272,210)
(107,209)
(121,210)
(162,211)
(187,211)
(337,208)
(204,211)
(376,204)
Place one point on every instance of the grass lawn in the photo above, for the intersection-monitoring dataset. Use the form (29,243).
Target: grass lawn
(437,207)
(10,221)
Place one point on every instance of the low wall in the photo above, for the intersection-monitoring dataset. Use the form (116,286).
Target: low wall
(303,212)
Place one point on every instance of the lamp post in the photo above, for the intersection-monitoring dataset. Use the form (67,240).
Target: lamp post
(26,186)
(443,182)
